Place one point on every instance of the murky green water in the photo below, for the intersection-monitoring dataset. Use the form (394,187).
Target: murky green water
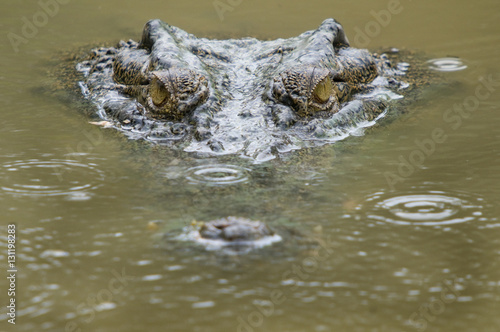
(406,216)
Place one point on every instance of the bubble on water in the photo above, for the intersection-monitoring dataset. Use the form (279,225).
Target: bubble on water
(447,64)
(217,175)
(426,209)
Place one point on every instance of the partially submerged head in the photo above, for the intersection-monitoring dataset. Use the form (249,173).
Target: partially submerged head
(246,96)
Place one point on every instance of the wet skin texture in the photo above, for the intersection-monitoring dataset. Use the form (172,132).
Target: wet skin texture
(249,97)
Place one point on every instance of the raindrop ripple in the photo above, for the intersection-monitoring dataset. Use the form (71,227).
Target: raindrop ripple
(217,175)
(54,177)
(433,208)
(447,64)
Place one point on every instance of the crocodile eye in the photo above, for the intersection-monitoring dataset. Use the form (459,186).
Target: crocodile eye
(158,92)
(322,91)
(173,92)
(307,90)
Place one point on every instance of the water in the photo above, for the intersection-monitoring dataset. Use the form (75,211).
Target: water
(404,217)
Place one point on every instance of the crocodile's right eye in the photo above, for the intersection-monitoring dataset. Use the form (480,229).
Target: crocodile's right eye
(323,91)
(175,92)
(158,92)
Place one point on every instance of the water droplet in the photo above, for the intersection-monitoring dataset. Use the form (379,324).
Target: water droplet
(54,253)
(201,305)
(152,277)
(105,306)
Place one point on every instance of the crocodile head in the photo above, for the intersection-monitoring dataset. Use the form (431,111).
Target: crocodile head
(240,96)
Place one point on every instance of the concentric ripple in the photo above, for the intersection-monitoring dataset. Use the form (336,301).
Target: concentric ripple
(426,209)
(446,64)
(217,175)
(50,178)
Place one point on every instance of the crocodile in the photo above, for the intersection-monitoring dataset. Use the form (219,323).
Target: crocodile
(254,98)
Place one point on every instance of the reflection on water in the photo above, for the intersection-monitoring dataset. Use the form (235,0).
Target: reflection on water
(427,209)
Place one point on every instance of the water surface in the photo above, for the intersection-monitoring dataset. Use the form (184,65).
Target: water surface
(405,217)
